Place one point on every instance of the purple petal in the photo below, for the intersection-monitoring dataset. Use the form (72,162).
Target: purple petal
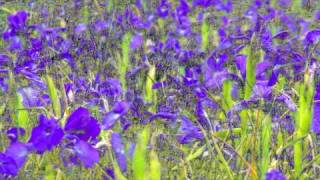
(47,135)
(18,20)
(164,115)
(81,124)
(8,165)
(87,154)
(15,44)
(80,28)
(111,87)
(262,67)
(288,101)
(136,41)
(109,119)
(119,150)
(241,64)
(163,9)
(18,152)
(4,59)
(14,133)
(281,35)
(316,110)
(275,175)
(312,36)
(188,131)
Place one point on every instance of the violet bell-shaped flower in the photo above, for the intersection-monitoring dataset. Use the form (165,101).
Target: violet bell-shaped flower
(81,124)
(47,135)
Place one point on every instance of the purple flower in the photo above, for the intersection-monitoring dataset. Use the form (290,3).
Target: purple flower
(284,3)
(119,109)
(14,133)
(260,90)
(317,15)
(30,97)
(18,20)
(119,150)
(7,165)
(46,135)
(163,9)
(275,175)
(183,9)
(203,3)
(4,59)
(69,91)
(111,87)
(80,28)
(188,131)
(158,85)
(18,151)
(14,158)
(81,124)
(312,36)
(136,41)
(110,173)
(201,113)
(164,115)
(316,110)
(15,43)
(227,7)
(190,78)
(240,62)
(281,35)
(87,154)
(288,101)
(100,25)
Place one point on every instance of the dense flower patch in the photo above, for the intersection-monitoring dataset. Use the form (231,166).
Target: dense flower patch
(198,89)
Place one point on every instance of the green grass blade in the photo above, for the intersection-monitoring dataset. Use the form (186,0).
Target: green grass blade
(226,93)
(204,35)
(124,62)
(85,13)
(151,94)
(155,166)
(265,146)
(149,82)
(53,93)
(303,121)
(117,172)
(22,113)
(139,161)
(19,114)
(196,154)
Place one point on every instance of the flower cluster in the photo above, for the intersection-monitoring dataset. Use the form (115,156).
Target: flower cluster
(231,83)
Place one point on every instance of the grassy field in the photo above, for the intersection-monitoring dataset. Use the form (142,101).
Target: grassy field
(168,89)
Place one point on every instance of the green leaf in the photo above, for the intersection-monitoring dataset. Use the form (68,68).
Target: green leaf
(53,93)
(2,108)
(265,146)
(19,114)
(204,35)
(149,82)
(117,172)
(124,61)
(155,166)
(49,173)
(196,154)
(22,113)
(226,93)
(139,162)
(303,120)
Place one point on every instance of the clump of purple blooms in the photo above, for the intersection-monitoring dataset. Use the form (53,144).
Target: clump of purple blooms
(228,89)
